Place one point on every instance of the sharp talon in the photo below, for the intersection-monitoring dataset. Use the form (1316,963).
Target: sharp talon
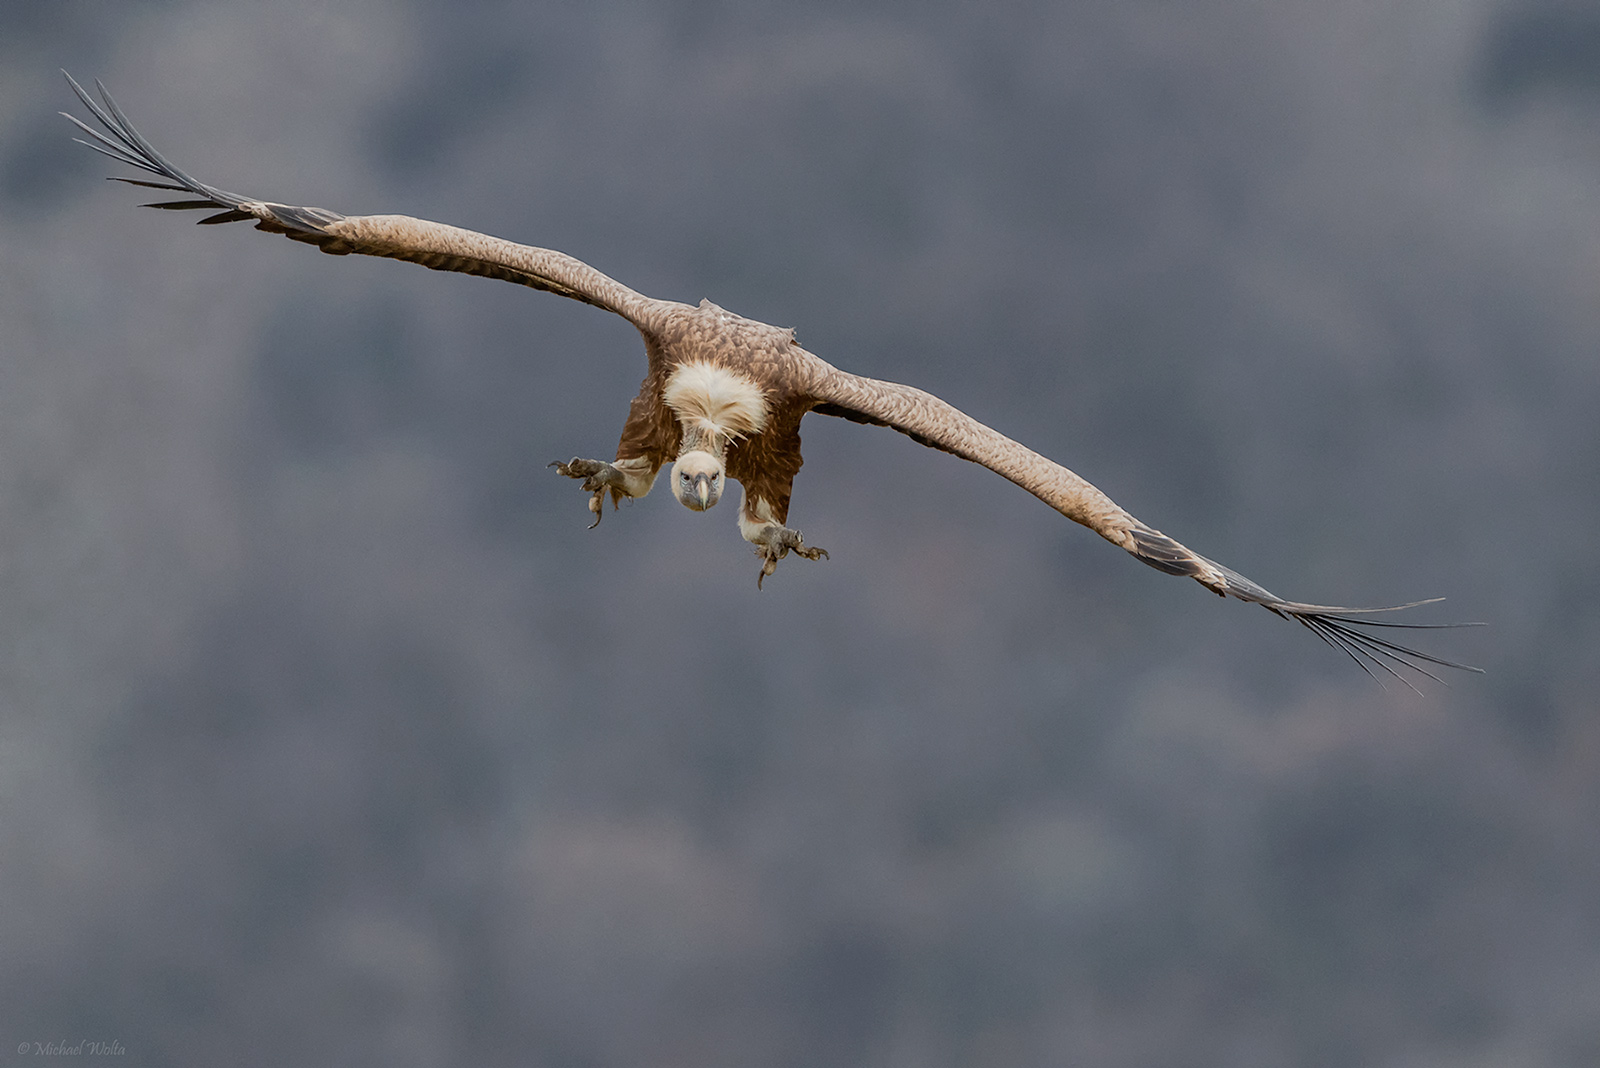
(599,478)
(769,564)
(776,543)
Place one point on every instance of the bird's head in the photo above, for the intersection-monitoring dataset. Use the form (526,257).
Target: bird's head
(697,479)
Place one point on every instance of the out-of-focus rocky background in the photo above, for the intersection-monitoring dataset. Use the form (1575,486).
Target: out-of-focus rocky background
(328,734)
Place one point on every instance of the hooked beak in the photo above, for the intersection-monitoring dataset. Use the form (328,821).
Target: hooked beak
(702,491)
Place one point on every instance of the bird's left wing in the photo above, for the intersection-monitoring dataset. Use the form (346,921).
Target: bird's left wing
(400,237)
(932,422)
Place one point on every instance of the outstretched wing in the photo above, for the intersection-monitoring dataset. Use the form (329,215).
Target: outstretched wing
(932,422)
(400,237)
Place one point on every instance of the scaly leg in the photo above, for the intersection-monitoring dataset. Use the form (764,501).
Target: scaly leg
(773,540)
(624,478)
(773,543)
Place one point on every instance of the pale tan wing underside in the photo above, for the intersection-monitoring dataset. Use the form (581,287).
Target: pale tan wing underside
(939,425)
(400,237)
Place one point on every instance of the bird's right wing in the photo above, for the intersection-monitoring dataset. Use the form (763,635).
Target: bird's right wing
(400,237)
(934,423)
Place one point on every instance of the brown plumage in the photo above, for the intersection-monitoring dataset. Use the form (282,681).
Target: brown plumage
(725,395)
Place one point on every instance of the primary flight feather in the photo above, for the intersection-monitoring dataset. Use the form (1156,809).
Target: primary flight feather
(723,397)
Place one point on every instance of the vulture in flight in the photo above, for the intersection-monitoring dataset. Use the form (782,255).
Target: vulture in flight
(723,397)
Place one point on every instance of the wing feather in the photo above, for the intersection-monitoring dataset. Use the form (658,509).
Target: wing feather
(401,237)
(932,422)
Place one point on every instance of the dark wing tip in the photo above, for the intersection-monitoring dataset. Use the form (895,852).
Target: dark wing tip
(1341,628)
(228,216)
(1345,629)
(118,139)
(1341,632)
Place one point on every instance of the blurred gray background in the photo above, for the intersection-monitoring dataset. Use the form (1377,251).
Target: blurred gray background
(328,734)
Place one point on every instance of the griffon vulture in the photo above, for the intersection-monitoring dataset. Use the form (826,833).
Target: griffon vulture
(723,397)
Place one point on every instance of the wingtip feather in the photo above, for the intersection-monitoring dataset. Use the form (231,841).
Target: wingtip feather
(1340,627)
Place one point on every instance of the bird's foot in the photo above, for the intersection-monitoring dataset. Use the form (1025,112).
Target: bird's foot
(773,543)
(599,478)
